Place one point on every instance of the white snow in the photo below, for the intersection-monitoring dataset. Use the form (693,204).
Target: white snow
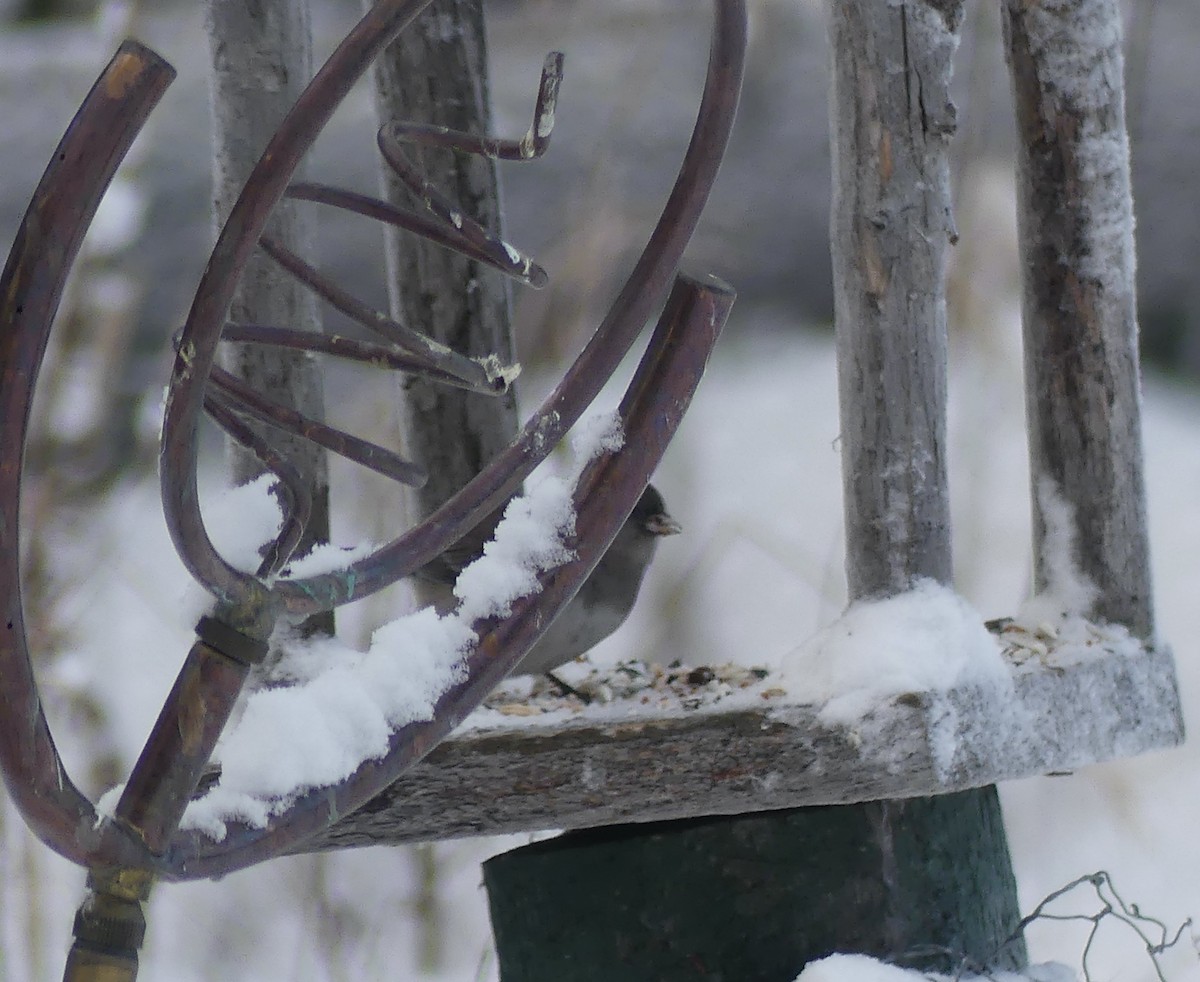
(863,968)
(925,640)
(1068,594)
(528,539)
(240,520)
(855,968)
(315,733)
(1053,623)
(326,558)
(342,705)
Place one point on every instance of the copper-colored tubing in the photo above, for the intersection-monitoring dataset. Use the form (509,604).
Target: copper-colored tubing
(351,349)
(240,397)
(179,746)
(635,304)
(374,320)
(30,290)
(651,411)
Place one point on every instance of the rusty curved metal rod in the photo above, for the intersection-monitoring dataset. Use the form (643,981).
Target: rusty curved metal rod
(642,292)
(350,349)
(436,227)
(532,145)
(240,397)
(443,222)
(468,369)
(653,406)
(235,243)
(458,230)
(31,287)
(475,239)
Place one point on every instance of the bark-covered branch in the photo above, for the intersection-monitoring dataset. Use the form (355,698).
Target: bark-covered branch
(891,120)
(436,72)
(1075,224)
(262,60)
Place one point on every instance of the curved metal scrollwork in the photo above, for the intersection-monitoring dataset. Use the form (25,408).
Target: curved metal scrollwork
(143,834)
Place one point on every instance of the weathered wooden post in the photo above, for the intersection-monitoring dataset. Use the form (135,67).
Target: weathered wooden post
(1075,225)
(261,60)
(437,72)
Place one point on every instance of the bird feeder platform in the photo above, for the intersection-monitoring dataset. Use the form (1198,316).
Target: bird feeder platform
(658,744)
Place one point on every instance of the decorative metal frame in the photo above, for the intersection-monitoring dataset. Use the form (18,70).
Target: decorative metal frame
(141,841)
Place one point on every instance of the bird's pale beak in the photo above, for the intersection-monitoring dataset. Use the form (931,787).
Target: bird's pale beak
(662,524)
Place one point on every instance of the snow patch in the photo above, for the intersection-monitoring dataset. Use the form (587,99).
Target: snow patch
(925,640)
(239,521)
(242,519)
(1069,593)
(343,705)
(326,558)
(864,968)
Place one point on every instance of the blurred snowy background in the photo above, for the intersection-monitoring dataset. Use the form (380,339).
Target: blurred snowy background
(754,476)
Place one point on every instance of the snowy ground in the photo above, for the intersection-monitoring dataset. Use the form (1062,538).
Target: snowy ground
(754,479)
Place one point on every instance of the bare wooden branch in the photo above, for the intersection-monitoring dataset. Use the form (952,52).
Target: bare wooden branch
(1077,265)
(261,60)
(891,121)
(436,72)
(618,763)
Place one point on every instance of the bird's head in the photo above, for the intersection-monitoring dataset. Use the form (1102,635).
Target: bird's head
(650,514)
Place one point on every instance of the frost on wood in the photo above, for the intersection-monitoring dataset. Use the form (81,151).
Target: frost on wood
(925,702)
(1075,224)
(327,708)
(1067,593)
(1076,46)
(891,124)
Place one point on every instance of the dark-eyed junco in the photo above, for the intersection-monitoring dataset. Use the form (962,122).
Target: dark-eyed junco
(606,597)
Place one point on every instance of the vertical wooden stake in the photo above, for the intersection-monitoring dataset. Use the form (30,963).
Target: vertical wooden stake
(436,72)
(928,881)
(262,60)
(891,122)
(941,864)
(1075,228)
